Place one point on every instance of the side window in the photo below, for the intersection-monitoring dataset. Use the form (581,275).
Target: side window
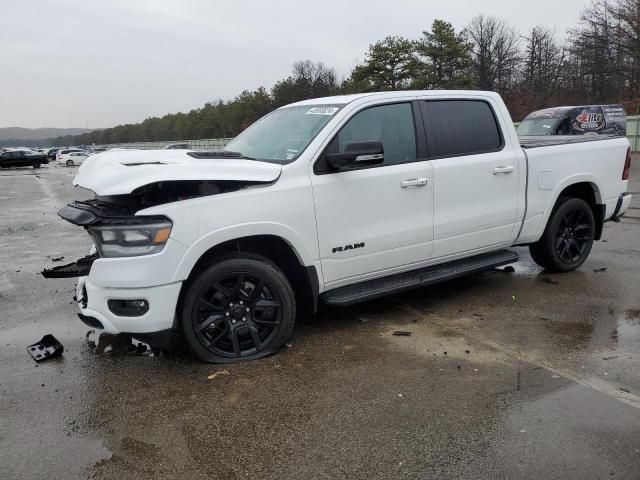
(460,127)
(390,124)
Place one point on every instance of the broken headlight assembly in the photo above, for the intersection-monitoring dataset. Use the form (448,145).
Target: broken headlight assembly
(130,240)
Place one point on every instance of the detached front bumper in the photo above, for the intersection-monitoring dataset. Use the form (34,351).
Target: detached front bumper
(97,312)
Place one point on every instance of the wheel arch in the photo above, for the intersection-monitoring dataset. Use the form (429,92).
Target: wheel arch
(585,187)
(304,279)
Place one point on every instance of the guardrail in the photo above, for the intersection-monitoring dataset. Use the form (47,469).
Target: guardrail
(202,144)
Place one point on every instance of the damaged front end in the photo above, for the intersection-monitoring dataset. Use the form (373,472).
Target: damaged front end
(116,232)
(79,268)
(127,284)
(116,229)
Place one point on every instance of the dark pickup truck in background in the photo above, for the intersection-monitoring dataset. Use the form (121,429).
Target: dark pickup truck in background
(22,158)
(580,120)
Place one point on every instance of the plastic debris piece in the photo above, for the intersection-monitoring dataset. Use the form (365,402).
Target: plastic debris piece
(47,347)
(402,333)
(218,374)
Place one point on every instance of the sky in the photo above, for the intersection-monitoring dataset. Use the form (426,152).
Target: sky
(88,63)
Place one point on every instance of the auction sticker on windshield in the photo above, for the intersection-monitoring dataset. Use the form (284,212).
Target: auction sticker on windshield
(322,111)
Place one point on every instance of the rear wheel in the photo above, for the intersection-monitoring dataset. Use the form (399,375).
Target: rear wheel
(240,308)
(70,163)
(568,238)
(36,164)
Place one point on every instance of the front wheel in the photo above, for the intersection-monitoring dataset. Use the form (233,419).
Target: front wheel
(568,238)
(69,163)
(240,308)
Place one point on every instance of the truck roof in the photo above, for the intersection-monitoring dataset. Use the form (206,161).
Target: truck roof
(345,99)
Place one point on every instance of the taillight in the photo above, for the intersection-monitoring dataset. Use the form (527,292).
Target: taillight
(627,165)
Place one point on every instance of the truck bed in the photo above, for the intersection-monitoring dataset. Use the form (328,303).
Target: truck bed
(550,140)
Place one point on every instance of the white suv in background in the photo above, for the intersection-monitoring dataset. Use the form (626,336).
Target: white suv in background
(73,158)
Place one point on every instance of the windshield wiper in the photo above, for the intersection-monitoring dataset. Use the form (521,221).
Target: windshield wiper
(218,154)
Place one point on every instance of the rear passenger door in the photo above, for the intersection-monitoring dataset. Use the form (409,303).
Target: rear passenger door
(375,220)
(475,177)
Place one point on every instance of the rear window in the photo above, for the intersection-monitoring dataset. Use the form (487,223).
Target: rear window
(461,127)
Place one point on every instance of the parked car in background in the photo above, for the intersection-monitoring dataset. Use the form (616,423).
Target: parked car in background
(51,154)
(73,158)
(64,151)
(22,158)
(584,120)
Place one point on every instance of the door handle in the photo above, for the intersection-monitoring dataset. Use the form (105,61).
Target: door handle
(499,170)
(414,182)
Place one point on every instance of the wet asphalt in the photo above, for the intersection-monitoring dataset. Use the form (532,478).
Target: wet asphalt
(508,375)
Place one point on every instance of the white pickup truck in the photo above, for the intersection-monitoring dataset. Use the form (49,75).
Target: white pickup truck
(339,199)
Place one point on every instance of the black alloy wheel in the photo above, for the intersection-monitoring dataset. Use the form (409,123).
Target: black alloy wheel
(568,237)
(238,309)
(573,236)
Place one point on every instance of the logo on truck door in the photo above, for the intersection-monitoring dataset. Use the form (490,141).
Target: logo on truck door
(348,247)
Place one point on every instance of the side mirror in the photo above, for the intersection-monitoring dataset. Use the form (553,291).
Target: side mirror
(356,155)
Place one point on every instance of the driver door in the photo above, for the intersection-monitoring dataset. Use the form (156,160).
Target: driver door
(376,220)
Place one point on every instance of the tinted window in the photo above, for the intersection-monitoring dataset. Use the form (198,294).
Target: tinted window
(460,127)
(390,124)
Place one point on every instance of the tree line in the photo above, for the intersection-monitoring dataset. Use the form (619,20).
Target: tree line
(598,61)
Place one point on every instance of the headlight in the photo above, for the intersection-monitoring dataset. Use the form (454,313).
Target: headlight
(130,240)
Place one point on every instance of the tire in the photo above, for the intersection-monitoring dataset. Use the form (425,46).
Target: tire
(240,308)
(70,163)
(36,164)
(568,237)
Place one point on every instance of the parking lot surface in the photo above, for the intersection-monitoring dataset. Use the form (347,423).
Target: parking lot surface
(518,374)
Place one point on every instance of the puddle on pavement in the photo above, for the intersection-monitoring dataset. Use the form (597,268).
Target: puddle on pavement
(627,332)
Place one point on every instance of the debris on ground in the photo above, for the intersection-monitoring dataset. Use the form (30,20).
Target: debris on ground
(402,333)
(622,389)
(507,269)
(218,374)
(57,259)
(610,358)
(47,347)
(550,281)
(600,270)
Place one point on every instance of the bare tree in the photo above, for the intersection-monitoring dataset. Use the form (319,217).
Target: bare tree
(308,80)
(496,53)
(543,62)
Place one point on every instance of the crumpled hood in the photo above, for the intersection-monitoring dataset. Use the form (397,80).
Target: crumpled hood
(121,172)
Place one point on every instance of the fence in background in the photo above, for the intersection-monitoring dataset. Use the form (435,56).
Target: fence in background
(204,144)
(633,132)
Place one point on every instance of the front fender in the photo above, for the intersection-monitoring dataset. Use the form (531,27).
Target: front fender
(210,240)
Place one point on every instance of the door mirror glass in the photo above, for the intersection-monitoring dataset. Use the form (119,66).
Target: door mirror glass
(356,155)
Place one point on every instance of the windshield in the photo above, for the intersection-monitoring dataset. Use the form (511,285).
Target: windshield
(282,135)
(539,126)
